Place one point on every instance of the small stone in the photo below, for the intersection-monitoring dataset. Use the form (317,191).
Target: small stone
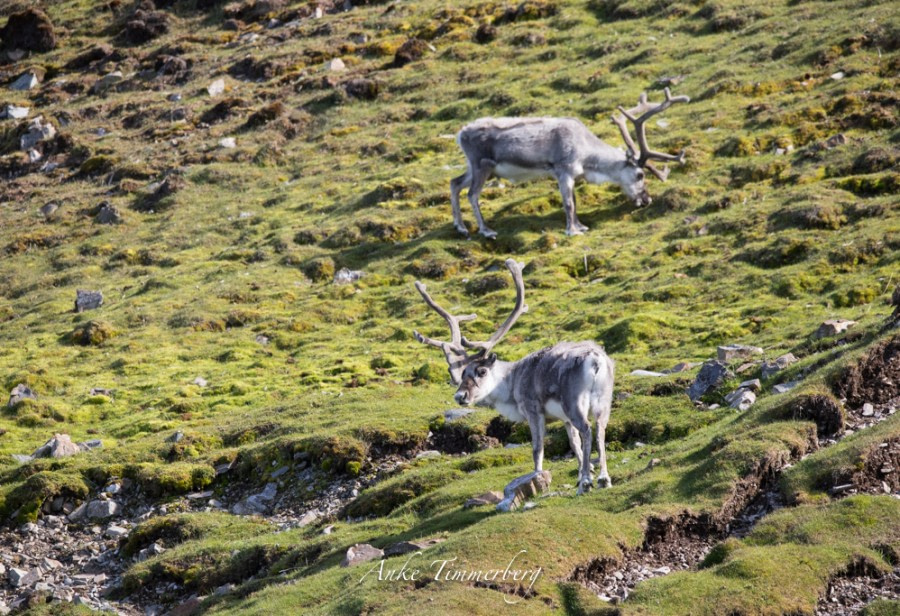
(154,549)
(769,369)
(838,75)
(175,437)
(88,300)
(28,528)
(488,498)
(752,385)
(38,132)
(328,529)
(833,327)
(335,64)
(279,472)
(60,446)
(868,410)
(456,414)
(108,214)
(346,276)
(741,399)
(407,547)
(224,589)
(653,463)
(746,367)
(360,553)
(529,506)
(106,82)
(101,509)
(782,388)
(200,495)
(200,382)
(26,81)
(20,392)
(646,373)
(711,375)
(522,488)
(308,518)
(16,113)
(216,87)
(731,352)
(679,367)
(227,143)
(885,487)
(835,140)
(114,532)
(428,453)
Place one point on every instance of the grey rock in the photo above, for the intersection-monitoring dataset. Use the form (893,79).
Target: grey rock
(868,410)
(38,131)
(346,276)
(154,549)
(741,399)
(48,210)
(88,300)
(782,388)
(407,547)
(175,437)
(646,373)
(456,414)
(60,446)
(328,529)
(227,143)
(20,392)
(360,553)
(731,352)
(335,65)
(752,385)
(224,589)
(279,472)
(200,382)
(216,87)
(679,367)
(21,458)
(20,578)
(428,453)
(833,327)
(63,595)
(310,517)
(108,214)
(771,368)
(100,391)
(114,532)
(522,488)
(26,81)
(835,140)
(711,375)
(107,82)
(78,513)
(94,443)
(16,113)
(102,509)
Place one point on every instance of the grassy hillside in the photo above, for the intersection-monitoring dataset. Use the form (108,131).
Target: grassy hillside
(222,268)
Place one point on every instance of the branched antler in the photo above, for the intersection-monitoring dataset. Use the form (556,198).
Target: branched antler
(647,110)
(455,349)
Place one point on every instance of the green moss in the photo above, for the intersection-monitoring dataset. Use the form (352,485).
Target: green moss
(855,296)
(387,496)
(170,479)
(23,503)
(320,270)
(93,333)
(178,528)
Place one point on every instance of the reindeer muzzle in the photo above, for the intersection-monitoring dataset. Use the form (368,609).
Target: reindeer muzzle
(643,199)
(462,398)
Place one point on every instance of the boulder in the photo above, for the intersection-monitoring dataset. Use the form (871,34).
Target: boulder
(26,81)
(20,392)
(20,578)
(711,375)
(108,214)
(335,65)
(770,369)
(114,532)
(60,446)
(38,132)
(730,352)
(30,30)
(522,488)
(87,300)
(15,112)
(49,209)
(752,385)
(407,547)
(488,498)
(360,553)
(107,82)
(833,327)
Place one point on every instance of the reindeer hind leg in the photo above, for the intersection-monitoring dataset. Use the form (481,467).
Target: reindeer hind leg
(456,186)
(480,174)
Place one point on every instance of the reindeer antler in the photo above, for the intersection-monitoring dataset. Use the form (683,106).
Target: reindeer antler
(647,110)
(515,268)
(455,349)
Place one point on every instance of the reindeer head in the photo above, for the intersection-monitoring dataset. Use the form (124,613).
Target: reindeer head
(470,362)
(635,163)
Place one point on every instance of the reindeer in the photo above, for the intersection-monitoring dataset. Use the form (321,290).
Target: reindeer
(521,149)
(571,381)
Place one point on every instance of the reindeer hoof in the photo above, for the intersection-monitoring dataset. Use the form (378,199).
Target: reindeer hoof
(584,486)
(489,233)
(462,230)
(604,482)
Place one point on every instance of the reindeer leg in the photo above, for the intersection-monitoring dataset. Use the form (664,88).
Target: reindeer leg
(480,175)
(456,186)
(576,407)
(567,191)
(575,443)
(602,414)
(536,424)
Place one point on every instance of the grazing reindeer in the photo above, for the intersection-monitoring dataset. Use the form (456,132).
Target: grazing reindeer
(571,381)
(521,149)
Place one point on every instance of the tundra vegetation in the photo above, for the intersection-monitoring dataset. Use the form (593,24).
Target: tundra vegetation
(214,223)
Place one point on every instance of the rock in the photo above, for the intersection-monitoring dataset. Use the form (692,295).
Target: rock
(838,75)
(746,367)
(835,140)
(522,488)
(310,517)
(428,453)
(711,375)
(868,410)
(752,385)
(279,472)
(833,328)
(224,589)
(175,437)
(106,82)
(38,132)
(488,498)
(102,509)
(60,446)
(741,399)
(456,414)
(646,373)
(227,143)
(26,81)
(28,528)
(346,276)
(114,532)
(654,462)
(21,458)
(94,443)
(731,352)
(679,367)
(108,214)
(770,369)
(257,503)
(216,87)
(335,65)
(360,553)
(88,300)
(29,30)
(200,382)
(407,547)
(20,392)
(410,51)
(16,113)
(782,388)
(78,513)
(363,89)
(154,549)
(21,578)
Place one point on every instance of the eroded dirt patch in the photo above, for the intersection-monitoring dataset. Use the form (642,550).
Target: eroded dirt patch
(875,379)
(856,587)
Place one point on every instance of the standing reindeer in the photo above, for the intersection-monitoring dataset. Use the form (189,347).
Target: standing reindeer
(571,381)
(520,149)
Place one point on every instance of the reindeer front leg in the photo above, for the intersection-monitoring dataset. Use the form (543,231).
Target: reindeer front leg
(567,192)
(536,424)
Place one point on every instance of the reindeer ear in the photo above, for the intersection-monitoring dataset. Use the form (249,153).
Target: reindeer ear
(490,359)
